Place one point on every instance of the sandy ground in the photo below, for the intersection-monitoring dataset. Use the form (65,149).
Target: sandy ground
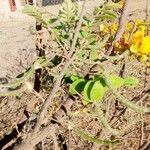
(14,39)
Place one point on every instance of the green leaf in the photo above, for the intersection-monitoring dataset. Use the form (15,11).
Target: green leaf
(93,91)
(86,91)
(106,16)
(68,11)
(116,81)
(131,81)
(110,13)
(86,21)
(77,86)
(84,34)
(53,20)
(97,92)
(74,77)
(36,13)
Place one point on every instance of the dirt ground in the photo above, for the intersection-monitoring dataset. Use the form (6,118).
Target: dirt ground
(17,52)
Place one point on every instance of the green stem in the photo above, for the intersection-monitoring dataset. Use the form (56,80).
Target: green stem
(20,80)
(91,138)
(103,120)
(26,75)
(123,100)
(116,57)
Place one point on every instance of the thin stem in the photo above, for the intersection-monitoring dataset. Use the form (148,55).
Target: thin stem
(91,138)
(103,120)
(123,100)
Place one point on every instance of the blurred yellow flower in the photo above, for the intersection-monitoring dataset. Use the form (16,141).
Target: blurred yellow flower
(129,26)
(138,36)
(113,28)
(145,46)
(143,58)
(101,27)
(104,28)
(140,43)
(138,22)
(148,64)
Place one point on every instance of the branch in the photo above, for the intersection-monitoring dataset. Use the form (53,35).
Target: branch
(57,84)
(33,140)
(121,27)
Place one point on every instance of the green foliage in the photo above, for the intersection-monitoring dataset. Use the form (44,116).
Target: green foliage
(97,91)
(77,86)
(116,81)
(131,81)
(86,92)
(36,13)
(94,89)
(68,12)
(107,11)
(91,138)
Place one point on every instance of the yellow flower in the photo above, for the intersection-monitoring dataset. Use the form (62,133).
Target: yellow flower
(113,28)
(134,48)
(129,26)
(140,43)
(138,22)
(121,3)
(138,36)
(148,64)
(141,46)
(102,27)
(143,58)
(145,46)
